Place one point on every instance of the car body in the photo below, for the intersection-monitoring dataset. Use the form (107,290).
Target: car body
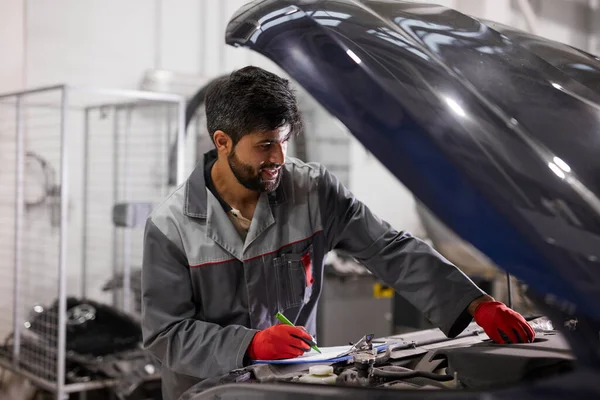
(496,132)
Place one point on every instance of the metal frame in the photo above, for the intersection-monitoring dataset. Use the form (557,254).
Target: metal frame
(60,388)
(593,26)
(19,212)
(124,242)
(70,388)
(529,15)
(62,263)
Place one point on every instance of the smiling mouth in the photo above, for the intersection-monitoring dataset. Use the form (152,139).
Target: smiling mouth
(270,173)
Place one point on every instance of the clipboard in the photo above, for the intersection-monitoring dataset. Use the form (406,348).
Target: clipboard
(328,355)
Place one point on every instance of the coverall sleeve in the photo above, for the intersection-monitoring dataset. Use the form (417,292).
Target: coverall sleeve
(170,328)
(413,268)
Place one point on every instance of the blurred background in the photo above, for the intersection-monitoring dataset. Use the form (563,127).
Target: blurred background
(177,47)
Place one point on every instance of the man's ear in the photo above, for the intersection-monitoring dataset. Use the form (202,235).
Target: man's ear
(223,142)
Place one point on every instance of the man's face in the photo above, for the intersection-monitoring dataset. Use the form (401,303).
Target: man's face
(256,160)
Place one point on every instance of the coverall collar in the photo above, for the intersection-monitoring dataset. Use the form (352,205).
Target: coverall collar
(201,203)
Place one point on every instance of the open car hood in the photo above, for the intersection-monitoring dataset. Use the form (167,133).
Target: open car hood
(496,131)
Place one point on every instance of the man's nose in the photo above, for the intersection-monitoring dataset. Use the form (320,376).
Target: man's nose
(277,155)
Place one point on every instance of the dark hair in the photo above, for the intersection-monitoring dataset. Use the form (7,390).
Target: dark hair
(250,100)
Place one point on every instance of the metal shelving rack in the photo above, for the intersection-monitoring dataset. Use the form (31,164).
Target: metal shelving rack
(57,208)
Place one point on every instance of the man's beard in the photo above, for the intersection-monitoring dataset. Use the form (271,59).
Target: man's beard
(250,179)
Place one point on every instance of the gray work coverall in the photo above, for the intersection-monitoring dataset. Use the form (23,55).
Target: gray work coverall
(205,293)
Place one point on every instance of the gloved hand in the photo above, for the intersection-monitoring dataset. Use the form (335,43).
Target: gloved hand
(502,324)
(279,341)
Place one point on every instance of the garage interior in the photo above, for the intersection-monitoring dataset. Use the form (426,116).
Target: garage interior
(98,124)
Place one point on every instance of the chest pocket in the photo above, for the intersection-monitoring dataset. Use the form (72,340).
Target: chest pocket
(294,274)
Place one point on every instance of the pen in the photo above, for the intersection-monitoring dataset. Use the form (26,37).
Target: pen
(286,321)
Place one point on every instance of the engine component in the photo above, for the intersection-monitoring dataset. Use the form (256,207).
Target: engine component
(322,374)
(477,366)
(350,377)
(92,328)
(102,343)
(396,372)
(364,362)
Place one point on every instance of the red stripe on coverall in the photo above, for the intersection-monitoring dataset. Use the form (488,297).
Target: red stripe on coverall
(255,257)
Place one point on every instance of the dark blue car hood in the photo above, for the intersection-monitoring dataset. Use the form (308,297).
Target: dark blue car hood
(496,131)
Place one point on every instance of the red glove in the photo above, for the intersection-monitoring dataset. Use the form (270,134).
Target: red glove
(502,324)
(279,341)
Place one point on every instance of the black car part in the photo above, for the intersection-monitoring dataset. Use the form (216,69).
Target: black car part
(102,343)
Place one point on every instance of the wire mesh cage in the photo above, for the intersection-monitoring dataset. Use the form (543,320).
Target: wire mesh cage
(82,170)
(127,174)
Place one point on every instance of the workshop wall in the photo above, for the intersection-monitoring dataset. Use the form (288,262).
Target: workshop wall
(569,21)
(111,43)
(94,43)
(100,44)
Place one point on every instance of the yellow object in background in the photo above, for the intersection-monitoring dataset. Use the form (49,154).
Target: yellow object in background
(382,292)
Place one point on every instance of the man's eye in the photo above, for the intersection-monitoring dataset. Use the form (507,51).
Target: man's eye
(265,145)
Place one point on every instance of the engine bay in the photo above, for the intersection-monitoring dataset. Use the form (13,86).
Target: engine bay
(426,360)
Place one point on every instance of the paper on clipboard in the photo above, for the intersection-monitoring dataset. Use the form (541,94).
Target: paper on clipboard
(328,354)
